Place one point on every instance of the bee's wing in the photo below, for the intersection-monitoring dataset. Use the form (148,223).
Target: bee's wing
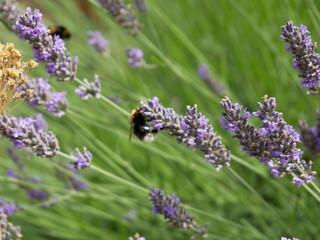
(130,133)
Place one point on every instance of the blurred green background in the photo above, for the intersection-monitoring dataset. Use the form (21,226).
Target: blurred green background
(240,41)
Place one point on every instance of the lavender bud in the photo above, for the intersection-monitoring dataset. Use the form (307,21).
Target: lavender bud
(141,6)
(82,160)
(46,48)
(89,89)
(122,14)
(23,133)
(55,102)
(214,84)
(135,57)
(310,136)
(8,230)
(100,44)
(305,59)
(10,13)
(174,213)
(137,237)
(273,144)
(192,129)
(7,207)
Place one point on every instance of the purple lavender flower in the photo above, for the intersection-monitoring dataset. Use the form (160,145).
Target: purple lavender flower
(46,48)
(55,102)
(8,230)
(174,213)
(214,84)
(137,237)
(192,129)
(36,194)
(22,132)
(305,59)
(310,136)
(135,57)
(89,89)
(141,6)
(82,160)
(10,13)
(11,173)
(7,207)
(122,14)
(100,44)
(274,143)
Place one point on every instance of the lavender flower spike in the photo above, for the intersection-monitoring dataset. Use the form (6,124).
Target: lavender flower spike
(82,160)
(274,143)
(122,14)
(7,207)
(137,237)
(46,48)
(135,57)
(192,129)
(305,59)
(89,89)
(55,102)
(23,133)
(10,13)
(174,213)
(100,44)
(8,230)
(310,136)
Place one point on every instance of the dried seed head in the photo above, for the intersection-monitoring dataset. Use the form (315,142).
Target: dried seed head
(12,74)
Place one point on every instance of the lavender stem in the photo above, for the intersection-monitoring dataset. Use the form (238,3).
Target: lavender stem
(108,174)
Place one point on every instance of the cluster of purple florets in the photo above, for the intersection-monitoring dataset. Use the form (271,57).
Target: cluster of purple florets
(273,143)
(89,89)
(172,210)
(192,129)
(47,48)
(55,103)
(23,132)
(82,159)
(305,59)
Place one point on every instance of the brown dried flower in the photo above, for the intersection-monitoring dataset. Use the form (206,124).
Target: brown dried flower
(12,76)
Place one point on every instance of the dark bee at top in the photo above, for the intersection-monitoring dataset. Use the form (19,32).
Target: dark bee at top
(62,31)
(140,128)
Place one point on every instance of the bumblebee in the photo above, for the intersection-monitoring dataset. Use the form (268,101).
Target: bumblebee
(59,30)
(140,128)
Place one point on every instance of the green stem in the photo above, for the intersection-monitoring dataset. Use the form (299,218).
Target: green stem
(247,165)
(108,174)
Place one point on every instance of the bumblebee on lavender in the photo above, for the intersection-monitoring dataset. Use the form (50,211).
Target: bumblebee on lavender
(59,30)
(140,128)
